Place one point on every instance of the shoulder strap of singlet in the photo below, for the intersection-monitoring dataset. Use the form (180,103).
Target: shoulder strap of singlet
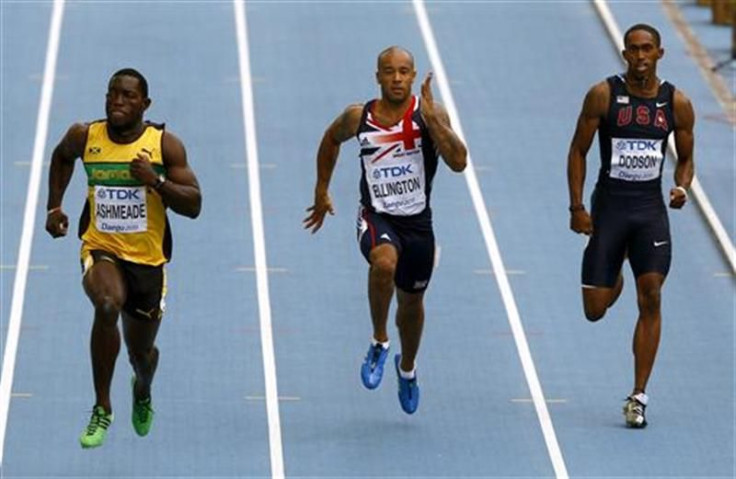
(667,90)
(364,116)
(617,84)
(158,126)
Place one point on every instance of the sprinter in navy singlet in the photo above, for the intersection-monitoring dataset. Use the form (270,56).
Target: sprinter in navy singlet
(401,137)
(629,214)
(634,114)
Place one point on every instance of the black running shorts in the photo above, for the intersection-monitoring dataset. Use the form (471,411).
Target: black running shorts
(145,284)
(414,245)
(626,224)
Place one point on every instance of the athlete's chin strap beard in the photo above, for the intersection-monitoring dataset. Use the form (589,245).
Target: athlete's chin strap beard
(640,81)
(129,130)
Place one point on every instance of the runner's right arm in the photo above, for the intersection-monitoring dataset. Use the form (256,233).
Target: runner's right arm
(342,129)
(66,152)
(595,106)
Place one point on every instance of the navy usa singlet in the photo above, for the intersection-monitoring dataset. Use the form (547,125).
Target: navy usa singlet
(628,211)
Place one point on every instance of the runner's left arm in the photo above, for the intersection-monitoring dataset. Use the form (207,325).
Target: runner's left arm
(684,144)
(180,188)
(451,148)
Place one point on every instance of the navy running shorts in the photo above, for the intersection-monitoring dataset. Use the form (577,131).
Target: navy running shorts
(626,224)
(415,247)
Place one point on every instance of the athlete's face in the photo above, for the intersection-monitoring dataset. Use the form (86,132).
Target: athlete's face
(124,102)
(396,75)
(642,54)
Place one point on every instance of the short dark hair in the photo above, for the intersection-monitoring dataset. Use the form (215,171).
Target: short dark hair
(647,28)
(392,49)
(132,72)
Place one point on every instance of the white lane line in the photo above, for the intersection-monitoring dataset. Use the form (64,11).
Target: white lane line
(265,166)
(29,219)
(529,400)
(494,253)
(724,240)
(259,245)
(281,398)
(509,272)
(33,267)
(251,269)
(723,275)
(29,163)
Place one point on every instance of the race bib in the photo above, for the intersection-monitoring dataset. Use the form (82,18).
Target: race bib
(120,209)
(396,185)
(636,159)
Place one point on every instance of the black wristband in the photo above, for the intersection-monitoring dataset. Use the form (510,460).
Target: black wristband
(579,207)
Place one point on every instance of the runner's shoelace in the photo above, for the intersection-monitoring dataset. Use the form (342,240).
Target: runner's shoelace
(143,409)
(377,349)
(635,406)
(97,421)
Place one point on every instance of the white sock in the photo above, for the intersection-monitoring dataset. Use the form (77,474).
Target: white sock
(385,345)
(408,374)
(641,397)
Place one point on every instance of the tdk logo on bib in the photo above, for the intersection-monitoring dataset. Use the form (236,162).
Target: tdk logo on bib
(119,194)
(392,171)
(638,145)
(636,159)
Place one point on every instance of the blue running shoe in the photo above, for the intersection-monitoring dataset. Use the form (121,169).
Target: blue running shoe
(408,390)
(371,372)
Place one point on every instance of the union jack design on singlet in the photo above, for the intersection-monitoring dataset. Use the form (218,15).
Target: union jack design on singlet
(398,162)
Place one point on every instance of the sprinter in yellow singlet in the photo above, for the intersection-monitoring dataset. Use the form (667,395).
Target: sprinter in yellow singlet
(135,171)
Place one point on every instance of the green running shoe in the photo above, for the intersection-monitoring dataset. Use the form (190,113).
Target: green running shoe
(142,416)
(96,432)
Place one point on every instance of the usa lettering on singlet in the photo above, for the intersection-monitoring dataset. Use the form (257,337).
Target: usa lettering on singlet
(395,176)
(633,136)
